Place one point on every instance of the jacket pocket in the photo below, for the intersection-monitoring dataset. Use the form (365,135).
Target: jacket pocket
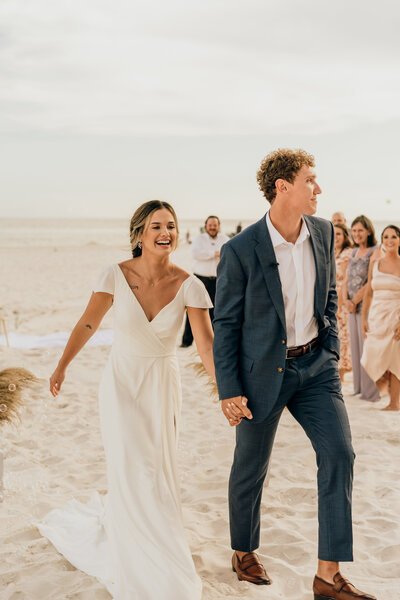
(246,363)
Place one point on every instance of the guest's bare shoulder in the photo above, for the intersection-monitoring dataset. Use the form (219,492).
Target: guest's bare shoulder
(377,254)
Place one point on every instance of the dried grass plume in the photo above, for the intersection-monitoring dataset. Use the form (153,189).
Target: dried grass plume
(200,371)
(13,382)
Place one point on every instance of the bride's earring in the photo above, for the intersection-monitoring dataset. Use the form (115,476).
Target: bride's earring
(139,245)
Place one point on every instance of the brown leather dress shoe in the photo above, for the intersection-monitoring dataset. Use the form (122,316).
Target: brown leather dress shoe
(341,589)
(250,569)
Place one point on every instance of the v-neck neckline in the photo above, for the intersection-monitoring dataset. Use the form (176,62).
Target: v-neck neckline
(137,300)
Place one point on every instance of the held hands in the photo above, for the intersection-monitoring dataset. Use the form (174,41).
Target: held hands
(235,409)
(56,381)
(351,306)
(358,296)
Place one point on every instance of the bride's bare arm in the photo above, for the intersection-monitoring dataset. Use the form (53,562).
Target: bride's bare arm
(99,304)
(204,337)
(203,334)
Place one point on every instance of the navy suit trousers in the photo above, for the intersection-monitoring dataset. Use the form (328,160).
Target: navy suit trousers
(311,390)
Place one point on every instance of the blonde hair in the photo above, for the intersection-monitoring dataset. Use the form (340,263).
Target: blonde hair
(140,218)
(283,163)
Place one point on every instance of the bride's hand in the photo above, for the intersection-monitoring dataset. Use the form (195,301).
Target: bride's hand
(56,380)
(235,409)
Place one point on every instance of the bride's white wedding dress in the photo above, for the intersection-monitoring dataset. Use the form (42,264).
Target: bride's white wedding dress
(134,541)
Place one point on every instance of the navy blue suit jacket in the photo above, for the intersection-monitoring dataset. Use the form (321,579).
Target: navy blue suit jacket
(249,316)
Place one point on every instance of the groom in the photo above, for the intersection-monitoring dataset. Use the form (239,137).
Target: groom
(276,345)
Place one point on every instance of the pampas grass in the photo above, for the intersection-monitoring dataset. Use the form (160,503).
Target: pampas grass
(12,383)
(200,371)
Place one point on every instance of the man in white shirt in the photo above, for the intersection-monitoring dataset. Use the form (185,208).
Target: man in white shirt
(205,252)
(276,345)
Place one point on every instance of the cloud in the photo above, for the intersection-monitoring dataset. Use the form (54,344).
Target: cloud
(185,68)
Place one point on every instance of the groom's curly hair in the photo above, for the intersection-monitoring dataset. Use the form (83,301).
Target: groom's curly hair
(283,163)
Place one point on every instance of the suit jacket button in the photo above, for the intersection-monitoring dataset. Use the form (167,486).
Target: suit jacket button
(283,341)
(280,369)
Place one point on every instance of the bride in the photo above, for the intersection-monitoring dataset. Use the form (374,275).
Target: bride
(134,541)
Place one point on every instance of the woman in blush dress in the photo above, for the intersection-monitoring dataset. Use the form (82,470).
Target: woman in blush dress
(381,316)
(363,235)
(343,249)
(134,541)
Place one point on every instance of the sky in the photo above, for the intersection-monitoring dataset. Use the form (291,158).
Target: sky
(104,105)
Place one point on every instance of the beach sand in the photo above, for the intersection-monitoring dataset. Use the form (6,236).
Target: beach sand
(57,454)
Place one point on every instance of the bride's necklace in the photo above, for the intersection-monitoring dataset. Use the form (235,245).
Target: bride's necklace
(156,282)
(153,282)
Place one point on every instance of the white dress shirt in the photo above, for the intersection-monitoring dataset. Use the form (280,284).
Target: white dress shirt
(204,248)
(296,267)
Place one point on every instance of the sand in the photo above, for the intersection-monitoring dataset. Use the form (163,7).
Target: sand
(57,454)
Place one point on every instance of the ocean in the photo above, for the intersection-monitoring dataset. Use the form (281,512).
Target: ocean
(110,232)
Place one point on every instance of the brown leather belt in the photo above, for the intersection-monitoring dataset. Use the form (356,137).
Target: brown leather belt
(301,350)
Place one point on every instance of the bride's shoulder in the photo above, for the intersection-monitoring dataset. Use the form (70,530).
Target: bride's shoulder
(181,274)
(126,265)
(105,280)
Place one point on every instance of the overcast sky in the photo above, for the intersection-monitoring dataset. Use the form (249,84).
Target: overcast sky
(106,104)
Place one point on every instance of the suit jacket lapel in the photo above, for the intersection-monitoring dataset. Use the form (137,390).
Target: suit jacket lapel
(320,268)
(269,266)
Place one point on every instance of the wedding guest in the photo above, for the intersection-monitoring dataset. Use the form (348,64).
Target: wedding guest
(381,316)
(343,250)
(338,218)
(363,234)
(205,252)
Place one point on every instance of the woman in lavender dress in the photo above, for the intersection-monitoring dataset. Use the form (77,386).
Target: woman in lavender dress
(363,235)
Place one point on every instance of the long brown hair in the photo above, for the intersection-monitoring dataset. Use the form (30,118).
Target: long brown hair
(139,220)
(395,229)
(367,224)
(346,238)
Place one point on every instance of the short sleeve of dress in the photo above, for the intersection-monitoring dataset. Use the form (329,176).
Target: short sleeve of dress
(105,282)
(196,294)
(347,253)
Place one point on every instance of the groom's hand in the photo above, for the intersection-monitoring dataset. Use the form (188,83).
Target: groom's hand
(235,409)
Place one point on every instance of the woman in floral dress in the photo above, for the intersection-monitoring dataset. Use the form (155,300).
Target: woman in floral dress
(343,248)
